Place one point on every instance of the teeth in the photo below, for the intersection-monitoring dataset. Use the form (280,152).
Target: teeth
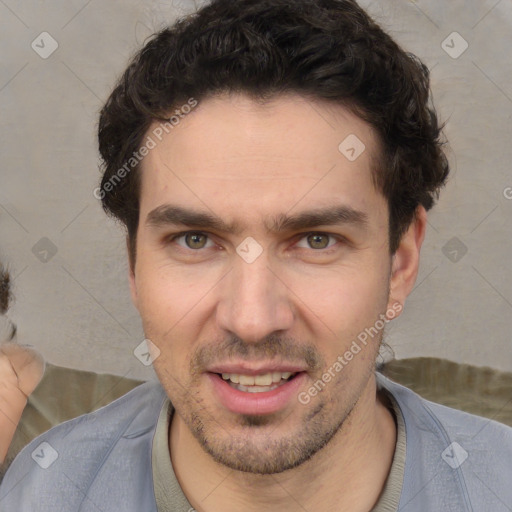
(276,376)
(263,380)
(257,389)
(232,377)
(257,381)
(245,380)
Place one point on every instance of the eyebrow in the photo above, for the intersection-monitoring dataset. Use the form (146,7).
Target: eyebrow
(168,214)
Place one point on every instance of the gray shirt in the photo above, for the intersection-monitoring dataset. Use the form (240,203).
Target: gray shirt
(103,461)
(169,495)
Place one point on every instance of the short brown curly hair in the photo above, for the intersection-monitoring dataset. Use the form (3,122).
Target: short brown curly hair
(322,49)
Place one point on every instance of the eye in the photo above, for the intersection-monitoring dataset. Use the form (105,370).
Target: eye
(193,240)
(317,241)
(196,240)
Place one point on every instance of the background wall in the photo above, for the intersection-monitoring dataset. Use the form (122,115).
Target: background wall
(68,259)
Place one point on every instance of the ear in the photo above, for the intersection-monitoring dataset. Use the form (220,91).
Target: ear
(131,275)
(406,260)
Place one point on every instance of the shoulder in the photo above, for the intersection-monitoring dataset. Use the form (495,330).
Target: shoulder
(78,460)
(453,457)
(451,422)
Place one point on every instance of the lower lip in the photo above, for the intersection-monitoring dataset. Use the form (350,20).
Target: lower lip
(266,402)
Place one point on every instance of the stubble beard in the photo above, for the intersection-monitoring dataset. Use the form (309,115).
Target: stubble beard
(265,445)
(256,444)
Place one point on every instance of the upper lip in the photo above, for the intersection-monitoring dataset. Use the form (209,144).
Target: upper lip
(247,368)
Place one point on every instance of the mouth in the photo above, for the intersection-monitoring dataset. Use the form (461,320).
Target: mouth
(256,391)
(257,383)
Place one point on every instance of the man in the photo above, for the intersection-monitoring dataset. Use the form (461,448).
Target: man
(273,162)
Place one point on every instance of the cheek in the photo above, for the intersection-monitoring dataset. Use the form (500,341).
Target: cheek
(345,299)
(163,295)
(159,308)
(172,312)
(154,299)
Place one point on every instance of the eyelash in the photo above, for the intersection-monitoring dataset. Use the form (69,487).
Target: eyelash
(326,250)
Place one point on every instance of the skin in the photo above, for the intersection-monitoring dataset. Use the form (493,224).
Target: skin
(300,302)
(21,370)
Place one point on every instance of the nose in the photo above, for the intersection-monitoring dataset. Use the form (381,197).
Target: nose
(255,301)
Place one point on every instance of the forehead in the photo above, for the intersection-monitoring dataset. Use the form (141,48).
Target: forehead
(234,154)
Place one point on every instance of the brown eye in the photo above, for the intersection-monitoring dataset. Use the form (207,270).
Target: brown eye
(318,241)
(195,240)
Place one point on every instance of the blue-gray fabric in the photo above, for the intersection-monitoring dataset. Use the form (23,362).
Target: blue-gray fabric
(104,460)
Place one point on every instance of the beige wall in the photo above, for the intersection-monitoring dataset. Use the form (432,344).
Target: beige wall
(75,306)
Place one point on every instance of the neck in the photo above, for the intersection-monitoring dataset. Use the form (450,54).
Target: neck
(346,475)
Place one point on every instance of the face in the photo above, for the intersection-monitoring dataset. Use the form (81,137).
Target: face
(262,254)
